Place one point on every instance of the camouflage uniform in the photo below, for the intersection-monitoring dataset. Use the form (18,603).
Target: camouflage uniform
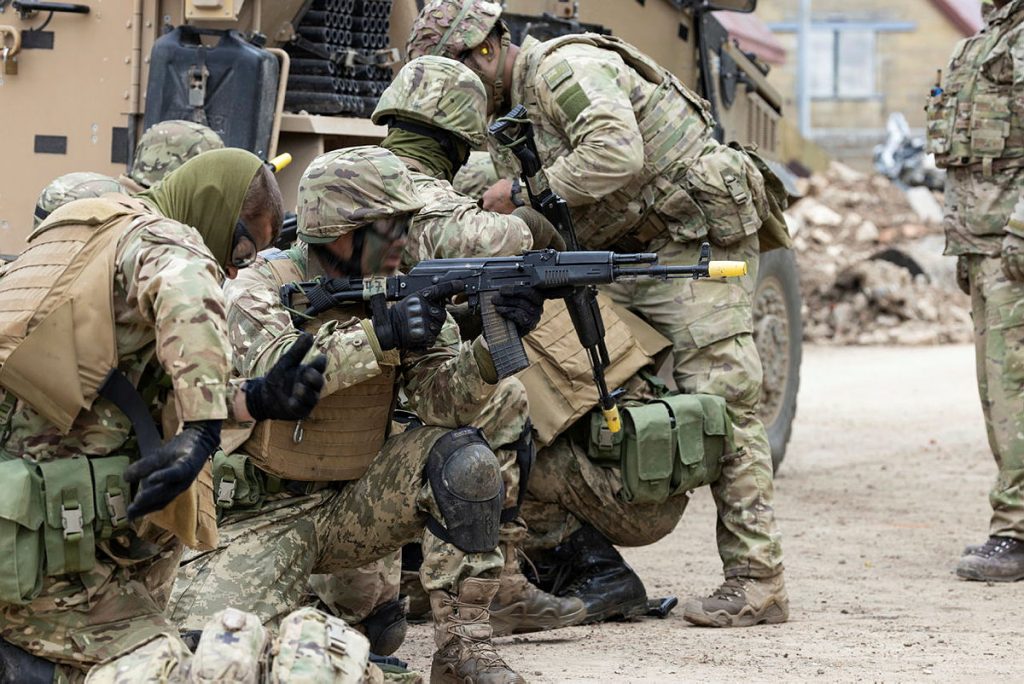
(162,271)
(476,175)
(976,132)
(163,148)
(69,187)
(630,149)
(269,553)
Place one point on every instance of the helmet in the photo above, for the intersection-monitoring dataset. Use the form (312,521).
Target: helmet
(71,187)
(450,27)
(345,189)
(166,146)
(439,92)
(476,175)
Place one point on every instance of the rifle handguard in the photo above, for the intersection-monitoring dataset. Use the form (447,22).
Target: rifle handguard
(727,269)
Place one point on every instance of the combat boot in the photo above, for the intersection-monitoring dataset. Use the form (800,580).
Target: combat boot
(741,602)
(1000,559)
(519,607)
(600,577)
(462,633)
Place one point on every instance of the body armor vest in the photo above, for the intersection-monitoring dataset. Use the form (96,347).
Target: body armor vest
(56,307)
(344,432)
(676,125)
(974,116)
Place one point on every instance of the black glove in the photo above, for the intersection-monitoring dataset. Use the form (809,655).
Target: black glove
(170,470)
(544,233)
(521,305)
(291,389)
(413,323)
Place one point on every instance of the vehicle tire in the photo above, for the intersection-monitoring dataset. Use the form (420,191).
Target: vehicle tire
(778,334)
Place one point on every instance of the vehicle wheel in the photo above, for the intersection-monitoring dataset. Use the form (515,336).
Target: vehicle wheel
(778,334)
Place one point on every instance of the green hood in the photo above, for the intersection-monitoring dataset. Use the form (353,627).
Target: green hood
(207,192)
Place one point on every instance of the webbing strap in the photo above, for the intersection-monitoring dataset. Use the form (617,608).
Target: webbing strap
(121,393)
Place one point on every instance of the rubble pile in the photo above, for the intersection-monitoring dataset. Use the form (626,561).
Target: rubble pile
(871,264)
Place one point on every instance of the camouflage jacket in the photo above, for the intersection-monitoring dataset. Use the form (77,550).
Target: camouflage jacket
(614,144)
(168,309)
(976,131)
(452,225)
(445,385)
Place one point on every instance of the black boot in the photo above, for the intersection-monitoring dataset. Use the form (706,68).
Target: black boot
(600,577)
(21,667)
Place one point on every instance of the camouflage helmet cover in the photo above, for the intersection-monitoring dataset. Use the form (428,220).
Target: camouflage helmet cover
(345,189)
(166,146)
(450,27)
(71,187)
(439,92)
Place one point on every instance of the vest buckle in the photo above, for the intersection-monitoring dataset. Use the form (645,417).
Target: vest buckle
(71,521)
(226,492)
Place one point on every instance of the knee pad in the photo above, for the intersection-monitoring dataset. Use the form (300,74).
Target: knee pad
(18,666)
(232,648)
(313,646)
(386,626)
(465,478)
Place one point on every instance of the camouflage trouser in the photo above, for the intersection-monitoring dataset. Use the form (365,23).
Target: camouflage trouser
(998,310)
(567,488)
(265,559)
(80,620)
(710,325)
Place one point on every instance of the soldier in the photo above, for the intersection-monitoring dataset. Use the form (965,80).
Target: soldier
(112,292)
(434,110)
(163,148)
(339,492)
(631,150)
(976,134)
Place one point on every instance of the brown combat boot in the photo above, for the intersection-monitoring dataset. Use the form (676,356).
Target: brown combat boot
(462,632)
(519,607)
(741,602)
(1000,559)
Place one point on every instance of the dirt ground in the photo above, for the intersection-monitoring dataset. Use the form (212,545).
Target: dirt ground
(885,480)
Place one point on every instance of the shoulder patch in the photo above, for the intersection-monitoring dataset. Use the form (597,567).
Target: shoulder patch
(558,74)
(572,101)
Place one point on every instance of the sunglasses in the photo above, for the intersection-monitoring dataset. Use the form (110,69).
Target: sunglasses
(243,247)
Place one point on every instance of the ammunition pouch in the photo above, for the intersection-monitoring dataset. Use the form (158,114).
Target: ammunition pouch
(725,184)
(236,481)
(667,446)
(52,515)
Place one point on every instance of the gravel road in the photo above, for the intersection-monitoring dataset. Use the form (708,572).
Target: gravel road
(885,480)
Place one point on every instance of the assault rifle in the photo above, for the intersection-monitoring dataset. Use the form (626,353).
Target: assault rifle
(548,271)
(515,133)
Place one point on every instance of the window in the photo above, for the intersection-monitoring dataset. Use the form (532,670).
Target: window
(842,63)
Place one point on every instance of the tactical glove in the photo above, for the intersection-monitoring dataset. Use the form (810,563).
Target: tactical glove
(169,471)
(413,323)
(1013,257)
(291,389)
(521,305)
(963,277)
(544,233)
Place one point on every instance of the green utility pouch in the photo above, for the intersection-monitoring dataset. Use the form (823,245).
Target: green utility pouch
(667,446)
(21,539)
(235,481)
(70,512)
(112,494)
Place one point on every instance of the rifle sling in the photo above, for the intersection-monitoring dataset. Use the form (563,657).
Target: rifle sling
(121,393)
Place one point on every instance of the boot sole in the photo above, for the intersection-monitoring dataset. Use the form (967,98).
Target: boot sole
(975,576)
(625,611)
(527,624)
(772,615)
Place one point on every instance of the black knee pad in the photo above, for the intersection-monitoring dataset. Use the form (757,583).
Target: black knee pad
(465,477)
(21,667)
(386,626)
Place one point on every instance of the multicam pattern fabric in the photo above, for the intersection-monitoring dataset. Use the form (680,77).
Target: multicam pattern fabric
(345,189)
(439,92)
(168,309)
(70,187)
(450,27)
(166,146)
(476,175)
(451,225)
